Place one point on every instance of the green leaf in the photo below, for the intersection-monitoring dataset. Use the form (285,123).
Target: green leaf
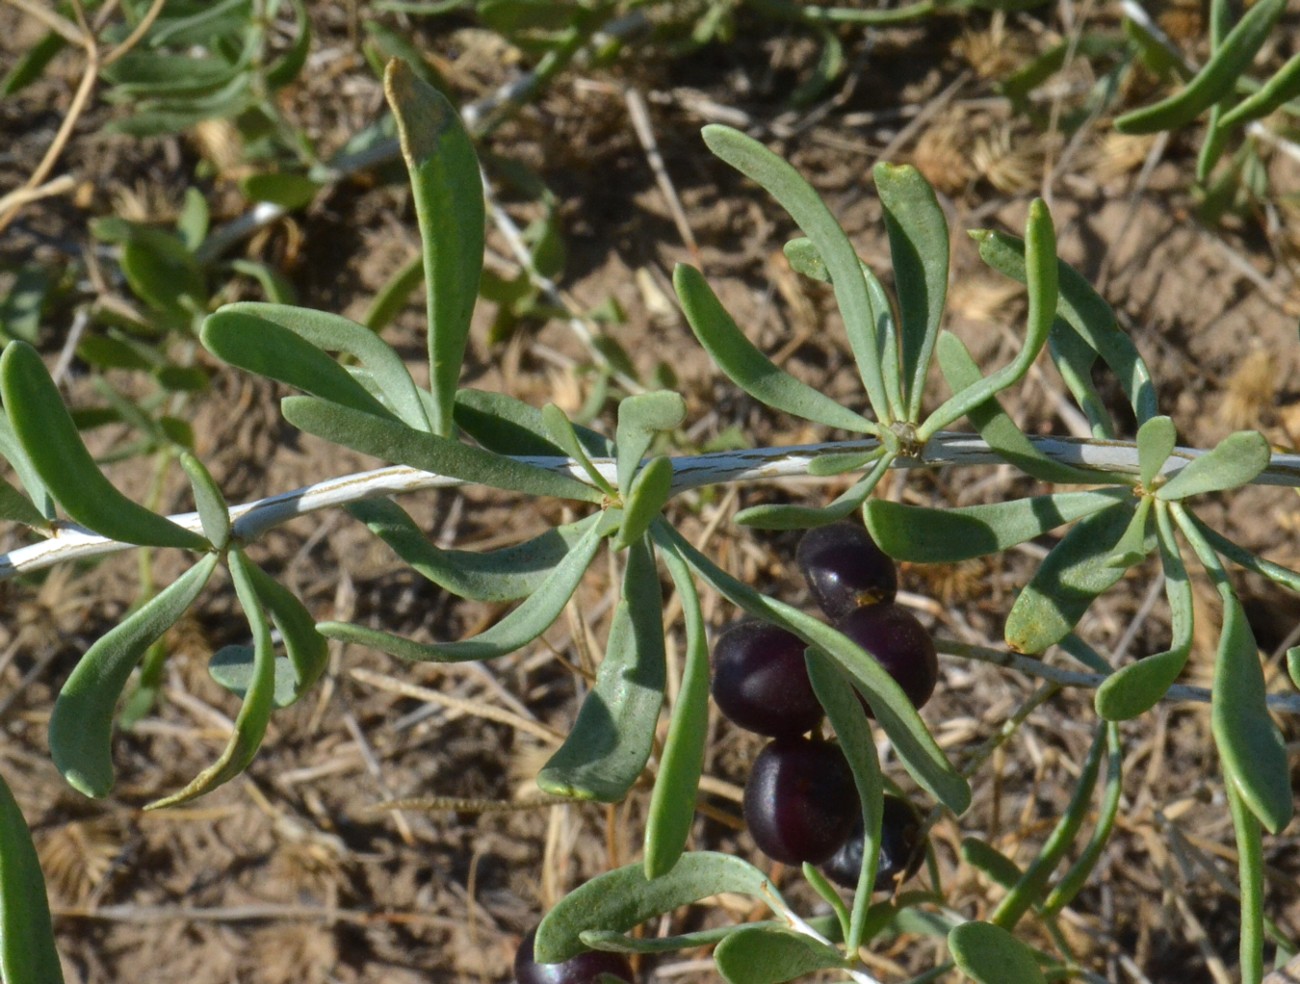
(1074,359)
(918,249)
(285,68)
(397,290)
(772,955)
(393,441)
(640,418)
(914,745)
(611,740)
(798,198)
(672,802)
(27,952)
(992,422)
(1233,462)
(208,500)
(505,574)
(619,943)
(1084,310)
(620,899)
(1272,95)
(749,368)
(988,859)
(785,517)
(1215,80)
(21,308)
(449,205)
(1079,873)
(1041,267)
(835,692)
(1135,689)
(259,700)
(17,508)
(31,63)
(561,430)
(81,724)
(284,188)
(1068,581)
(645,500)
(933,536)
(804,258)
(1135,544)
(49,439)
(235,668)
(520,627)
(1293,665)
(305,647)
(1156,439)
(506,425)
(991,955)
(162,272)
(12,451)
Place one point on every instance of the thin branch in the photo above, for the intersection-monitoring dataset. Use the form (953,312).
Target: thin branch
(73,542)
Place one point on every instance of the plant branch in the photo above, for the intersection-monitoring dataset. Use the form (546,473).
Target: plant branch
(250,520)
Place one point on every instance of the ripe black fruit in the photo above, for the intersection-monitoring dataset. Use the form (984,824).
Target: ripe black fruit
(901,849)
(760,680)
(585,968)
(800,801)
(845,569)
(900,644)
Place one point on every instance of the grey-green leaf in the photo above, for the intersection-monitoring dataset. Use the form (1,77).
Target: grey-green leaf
(44,428)
(1068,581)
(749,368)
(640,418)
(991,955)
(505,574)
(651,488)
(672,802)
(214,514)
(1155,442)
(533,616)
(562,432)
(1233,462)
(81,724)
(449,206)
(772,955)
(611,740)
(235,667)
(918,249)
(27,952)
(17,508)
(235,326)
(933,536)
(305,647)
(623,898)
(393,441)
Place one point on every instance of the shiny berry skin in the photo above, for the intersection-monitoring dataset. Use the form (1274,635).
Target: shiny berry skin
(901,849)
(900,644)
(800,801)
(585,968)
(760,680)
(845,569)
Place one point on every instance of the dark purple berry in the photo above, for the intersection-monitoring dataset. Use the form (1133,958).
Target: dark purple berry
(845,569)
(585,968)
(899,643)
(901,849)
(760,680)
(800,801)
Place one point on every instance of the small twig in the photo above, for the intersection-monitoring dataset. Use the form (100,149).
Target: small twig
(640,116)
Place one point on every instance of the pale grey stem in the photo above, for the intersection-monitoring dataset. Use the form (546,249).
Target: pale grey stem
(72,542)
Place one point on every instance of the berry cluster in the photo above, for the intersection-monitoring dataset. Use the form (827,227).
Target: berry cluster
(800,801)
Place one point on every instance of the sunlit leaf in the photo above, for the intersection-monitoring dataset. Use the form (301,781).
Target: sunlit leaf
(620,899)
(621,943)
(449,205)
(305,647)
(611,740)
(506,425)
(1136,543)
(393,441)
(1155,442)
(208,500)
(259,699)
(993,863)
(1281,88)
(749,368)
(235,668)
(779,516)
(645,500)
(1233,462)
(1067,581)
(49,439)
(931,536)
(81,724)
(284,188)
(799,199)
(918,250)
(562,432)
(27,951)
(772,955)
(640,418)
(672,803)
(17,508)
(991,955)
(533,616)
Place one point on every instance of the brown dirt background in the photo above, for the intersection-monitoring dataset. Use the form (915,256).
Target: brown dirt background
(291,873)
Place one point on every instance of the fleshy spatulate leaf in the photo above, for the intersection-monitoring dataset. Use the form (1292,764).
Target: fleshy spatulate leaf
(991,955)
(49,438)
(614,733)
(27,950)
(1232,462)
(449,206)
(81,725)
(772,955)
(640,418)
